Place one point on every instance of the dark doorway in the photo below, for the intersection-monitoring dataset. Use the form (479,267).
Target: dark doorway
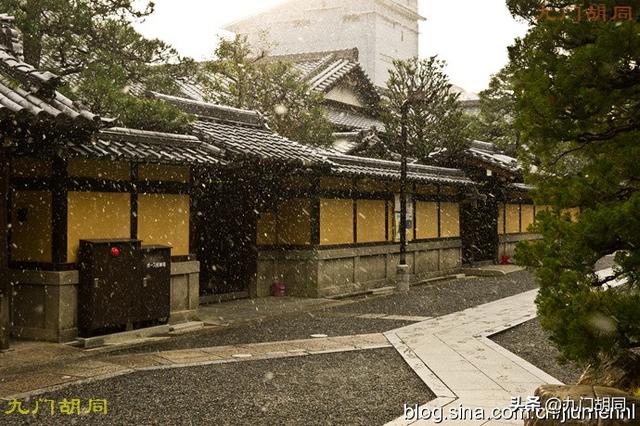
(224,231)
(479,229)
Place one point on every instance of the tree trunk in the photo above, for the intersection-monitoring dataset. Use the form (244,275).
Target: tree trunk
(5,324)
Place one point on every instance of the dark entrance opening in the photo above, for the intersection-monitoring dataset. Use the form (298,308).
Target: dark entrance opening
(224,231)
(478,227)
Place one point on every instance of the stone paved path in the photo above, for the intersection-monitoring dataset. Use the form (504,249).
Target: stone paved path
(39,381)
(454,357)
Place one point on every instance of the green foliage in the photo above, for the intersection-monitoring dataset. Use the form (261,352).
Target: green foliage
(435,118)
(494,122)
(577,92)
(238,78)
(93,46)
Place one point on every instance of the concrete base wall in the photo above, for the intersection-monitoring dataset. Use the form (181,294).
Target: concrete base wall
(342,271)
(44,304)
(507,243)
(185,291)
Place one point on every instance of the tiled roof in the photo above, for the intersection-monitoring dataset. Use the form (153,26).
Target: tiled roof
(191,90)
(366,143)
(322,70)
(487,152)
(256,142)
(149,147)
(374,168)
(29,94)
(352,120)
(242,133)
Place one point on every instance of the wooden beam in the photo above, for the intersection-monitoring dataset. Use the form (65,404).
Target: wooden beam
(59,207)
(134,200)
(315,211)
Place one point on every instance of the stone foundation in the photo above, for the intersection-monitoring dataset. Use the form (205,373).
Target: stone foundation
(185,291)
(334,272)
(44,305)
(507,243)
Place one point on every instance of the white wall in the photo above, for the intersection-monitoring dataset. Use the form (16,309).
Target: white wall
(378,31)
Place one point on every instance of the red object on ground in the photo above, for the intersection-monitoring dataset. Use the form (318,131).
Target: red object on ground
(505,260)
(115,251)
(278,289)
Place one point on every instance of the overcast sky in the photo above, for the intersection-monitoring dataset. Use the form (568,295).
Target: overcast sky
(471,35)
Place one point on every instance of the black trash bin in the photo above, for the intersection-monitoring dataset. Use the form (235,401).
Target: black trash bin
(110,273)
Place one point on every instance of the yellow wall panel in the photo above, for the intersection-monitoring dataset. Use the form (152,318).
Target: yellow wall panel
(31,239)
(336,221)
(163,173)
(266,229)
(449,220)
(527,216)
(426,220)
(391,220)
(500,218)
(294,222)
(164,219)
(96,215)
(572,212)
(513,218)
(30,167)
(99,169)
(370,220)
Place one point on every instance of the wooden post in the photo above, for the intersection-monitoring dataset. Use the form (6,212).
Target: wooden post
(59,212)
(5,288)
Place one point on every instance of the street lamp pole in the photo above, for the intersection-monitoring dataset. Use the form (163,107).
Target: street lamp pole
(402,272)
(404,110)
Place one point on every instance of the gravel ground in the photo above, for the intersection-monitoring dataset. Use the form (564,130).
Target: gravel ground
(445,297)
(530,342)
(352,388)
(289,327)
(435,299)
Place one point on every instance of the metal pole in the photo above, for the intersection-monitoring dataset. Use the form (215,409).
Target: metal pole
(403,277)
(403,183)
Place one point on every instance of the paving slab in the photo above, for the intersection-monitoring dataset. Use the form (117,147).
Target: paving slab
(138,361)
(91,368)
(454,353)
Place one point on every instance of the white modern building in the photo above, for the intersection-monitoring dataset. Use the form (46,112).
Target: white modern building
(381,30)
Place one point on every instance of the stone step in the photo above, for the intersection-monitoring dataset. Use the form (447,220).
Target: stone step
(118,338)
(383,291)
(186,327)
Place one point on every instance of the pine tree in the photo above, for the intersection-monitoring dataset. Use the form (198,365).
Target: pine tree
(93,46)
(435,120)
(494,122)
(243,79)
(577,90)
